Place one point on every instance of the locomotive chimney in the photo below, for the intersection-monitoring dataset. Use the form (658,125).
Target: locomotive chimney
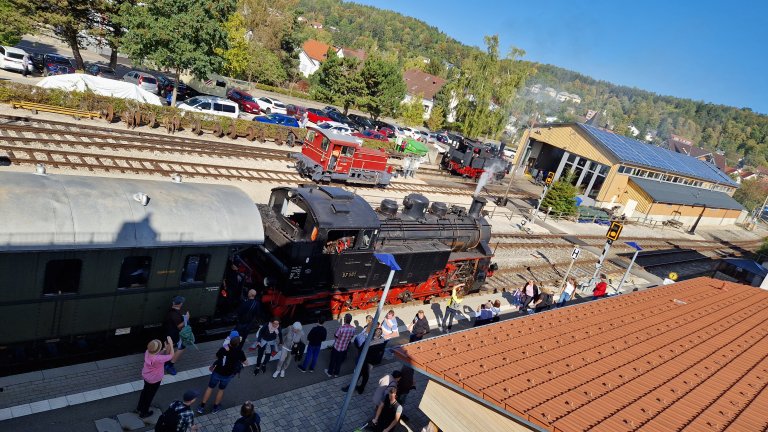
(439,209)
(415,205)
(477,206)
(388,207)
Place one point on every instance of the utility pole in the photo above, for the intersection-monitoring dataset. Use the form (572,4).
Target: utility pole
(548,183)
(574,255)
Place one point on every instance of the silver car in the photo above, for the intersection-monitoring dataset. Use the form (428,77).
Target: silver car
(144,80)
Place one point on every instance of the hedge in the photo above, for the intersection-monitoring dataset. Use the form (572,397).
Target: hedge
(88,101)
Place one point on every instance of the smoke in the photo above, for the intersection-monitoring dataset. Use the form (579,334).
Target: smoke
(488,174)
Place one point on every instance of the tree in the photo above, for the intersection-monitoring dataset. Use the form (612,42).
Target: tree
(751,193)
(69,19)
(237,58)
(561,196)
(178,34)
(108,27)
(383,87)
(265,67)
(436,118)
(15,23)
(412,112)
(337,81)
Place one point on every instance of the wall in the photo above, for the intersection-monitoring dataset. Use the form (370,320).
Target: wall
(689,214)
(307,66)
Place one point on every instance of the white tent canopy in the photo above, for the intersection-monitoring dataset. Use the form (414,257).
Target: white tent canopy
(100,86)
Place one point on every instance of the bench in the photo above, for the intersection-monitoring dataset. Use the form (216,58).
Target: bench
(674,223)
(35,107)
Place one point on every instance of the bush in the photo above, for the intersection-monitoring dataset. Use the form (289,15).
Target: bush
(283,91)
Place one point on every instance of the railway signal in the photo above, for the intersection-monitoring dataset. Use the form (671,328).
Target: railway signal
(548,182)
(550,178)
(614,231)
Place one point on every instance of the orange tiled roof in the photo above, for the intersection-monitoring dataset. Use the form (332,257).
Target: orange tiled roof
(692,355)
(422,83)
(316,50)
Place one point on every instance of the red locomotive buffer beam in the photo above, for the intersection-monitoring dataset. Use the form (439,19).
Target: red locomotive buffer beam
(465,171)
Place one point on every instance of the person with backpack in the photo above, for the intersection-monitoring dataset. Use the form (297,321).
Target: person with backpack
(179,416)
(175,322)
(228,363)
(249,420)
(153,372)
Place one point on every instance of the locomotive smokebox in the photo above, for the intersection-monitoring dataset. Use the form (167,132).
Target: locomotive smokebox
(477,206)
(439,209)
(388,207)
(415,205)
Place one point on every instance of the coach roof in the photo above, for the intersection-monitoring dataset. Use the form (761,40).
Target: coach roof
(60,212)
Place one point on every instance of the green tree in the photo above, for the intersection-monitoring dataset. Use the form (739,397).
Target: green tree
(383,87)
(69,19)
(109,29)
(436,118)
(265,67)
(412,112)
(178,34)
(15,23)
(237,58)
(337,81)
(751,193)
(561,196)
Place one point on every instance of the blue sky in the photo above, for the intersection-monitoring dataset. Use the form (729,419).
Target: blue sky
(715,51)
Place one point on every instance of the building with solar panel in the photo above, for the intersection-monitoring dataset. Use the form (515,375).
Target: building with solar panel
(647,183)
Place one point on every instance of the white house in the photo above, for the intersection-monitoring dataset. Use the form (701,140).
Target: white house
(424,85)
(314,52)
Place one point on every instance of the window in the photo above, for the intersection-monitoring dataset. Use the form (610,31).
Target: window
(205,106)
(348,151)
(134,272)
(229,108)
(325,144)
(195,268)
(310,135)
(365,239)
(62,277)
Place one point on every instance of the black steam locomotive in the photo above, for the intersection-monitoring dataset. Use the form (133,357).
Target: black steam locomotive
(320,241)
(469,158)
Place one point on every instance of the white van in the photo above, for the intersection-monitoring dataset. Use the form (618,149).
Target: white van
(210,105)
(13,59)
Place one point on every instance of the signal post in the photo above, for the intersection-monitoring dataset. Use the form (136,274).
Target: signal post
(548,183)
(614,231)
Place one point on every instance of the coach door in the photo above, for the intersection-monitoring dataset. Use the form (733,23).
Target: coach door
(346,156)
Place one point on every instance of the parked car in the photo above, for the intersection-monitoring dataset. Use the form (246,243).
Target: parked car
(295,111)
(362,121)
(329,108)
(144,80)
(371,134)
(269,105)
(52,64)
(166,85)
(341,118)
(421,135)
(210,105)
(13,59)
(100,70)
(245,101)
(336,127)
(278,119)
(385,127)
(317,116)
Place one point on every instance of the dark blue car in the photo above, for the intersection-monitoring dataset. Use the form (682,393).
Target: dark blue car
(279,119)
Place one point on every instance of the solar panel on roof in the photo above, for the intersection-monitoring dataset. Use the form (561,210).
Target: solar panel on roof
(639,153)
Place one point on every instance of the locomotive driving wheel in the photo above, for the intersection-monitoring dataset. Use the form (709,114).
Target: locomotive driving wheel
(406,296)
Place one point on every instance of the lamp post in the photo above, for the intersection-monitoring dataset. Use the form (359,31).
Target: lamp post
(389,260)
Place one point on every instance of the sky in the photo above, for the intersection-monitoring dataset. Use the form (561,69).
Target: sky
(712,51)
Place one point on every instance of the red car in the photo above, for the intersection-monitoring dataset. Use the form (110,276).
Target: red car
(246,102)
(371,134)
(317,116)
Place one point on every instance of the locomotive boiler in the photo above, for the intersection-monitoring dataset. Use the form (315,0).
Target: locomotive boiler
(471,159)
(318,254)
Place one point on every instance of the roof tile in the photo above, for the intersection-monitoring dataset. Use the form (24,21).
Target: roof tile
(685,356)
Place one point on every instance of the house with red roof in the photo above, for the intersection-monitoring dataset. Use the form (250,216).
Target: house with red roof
(419,84)
(682,145)
(314,52)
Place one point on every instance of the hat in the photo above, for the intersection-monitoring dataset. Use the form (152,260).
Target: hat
(178,300)
(190,395)
(297,325)
(233,334)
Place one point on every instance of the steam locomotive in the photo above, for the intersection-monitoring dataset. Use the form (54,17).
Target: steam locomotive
(90,261)
(471,159)
(318,254)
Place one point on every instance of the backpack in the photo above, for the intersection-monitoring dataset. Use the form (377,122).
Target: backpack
(168,421)
(187,336)
(252,427)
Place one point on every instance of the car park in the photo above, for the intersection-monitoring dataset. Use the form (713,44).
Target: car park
(166,85)
(270,105)
(13,59)
(361,121)
(245,101)
(341,118)
(144,80)
(317,116)
(100,70)
(371,134)
(278,119)
(336,127)
(210,105)
(52,64)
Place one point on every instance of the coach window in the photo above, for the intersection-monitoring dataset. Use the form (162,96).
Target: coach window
(311,136)
(134,272)
(348,151)
(195,268)
(325,144)
(62,277)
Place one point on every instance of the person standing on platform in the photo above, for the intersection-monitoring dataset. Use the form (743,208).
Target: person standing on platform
(152,372)
(174,322)
(269,335)
(246,313)
(25,65)
(601,288)
(386,382)
(388,413)
(183,418)
(315,340)
(249,420)
(229,362)
(344,336)
(389,326)
(419,328)
(452,309)
(373,357)
(294,340)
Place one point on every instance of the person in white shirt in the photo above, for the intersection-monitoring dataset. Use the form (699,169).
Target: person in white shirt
(389,326)
(570,287)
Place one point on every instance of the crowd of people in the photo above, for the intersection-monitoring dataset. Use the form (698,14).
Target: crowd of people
(291,344)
